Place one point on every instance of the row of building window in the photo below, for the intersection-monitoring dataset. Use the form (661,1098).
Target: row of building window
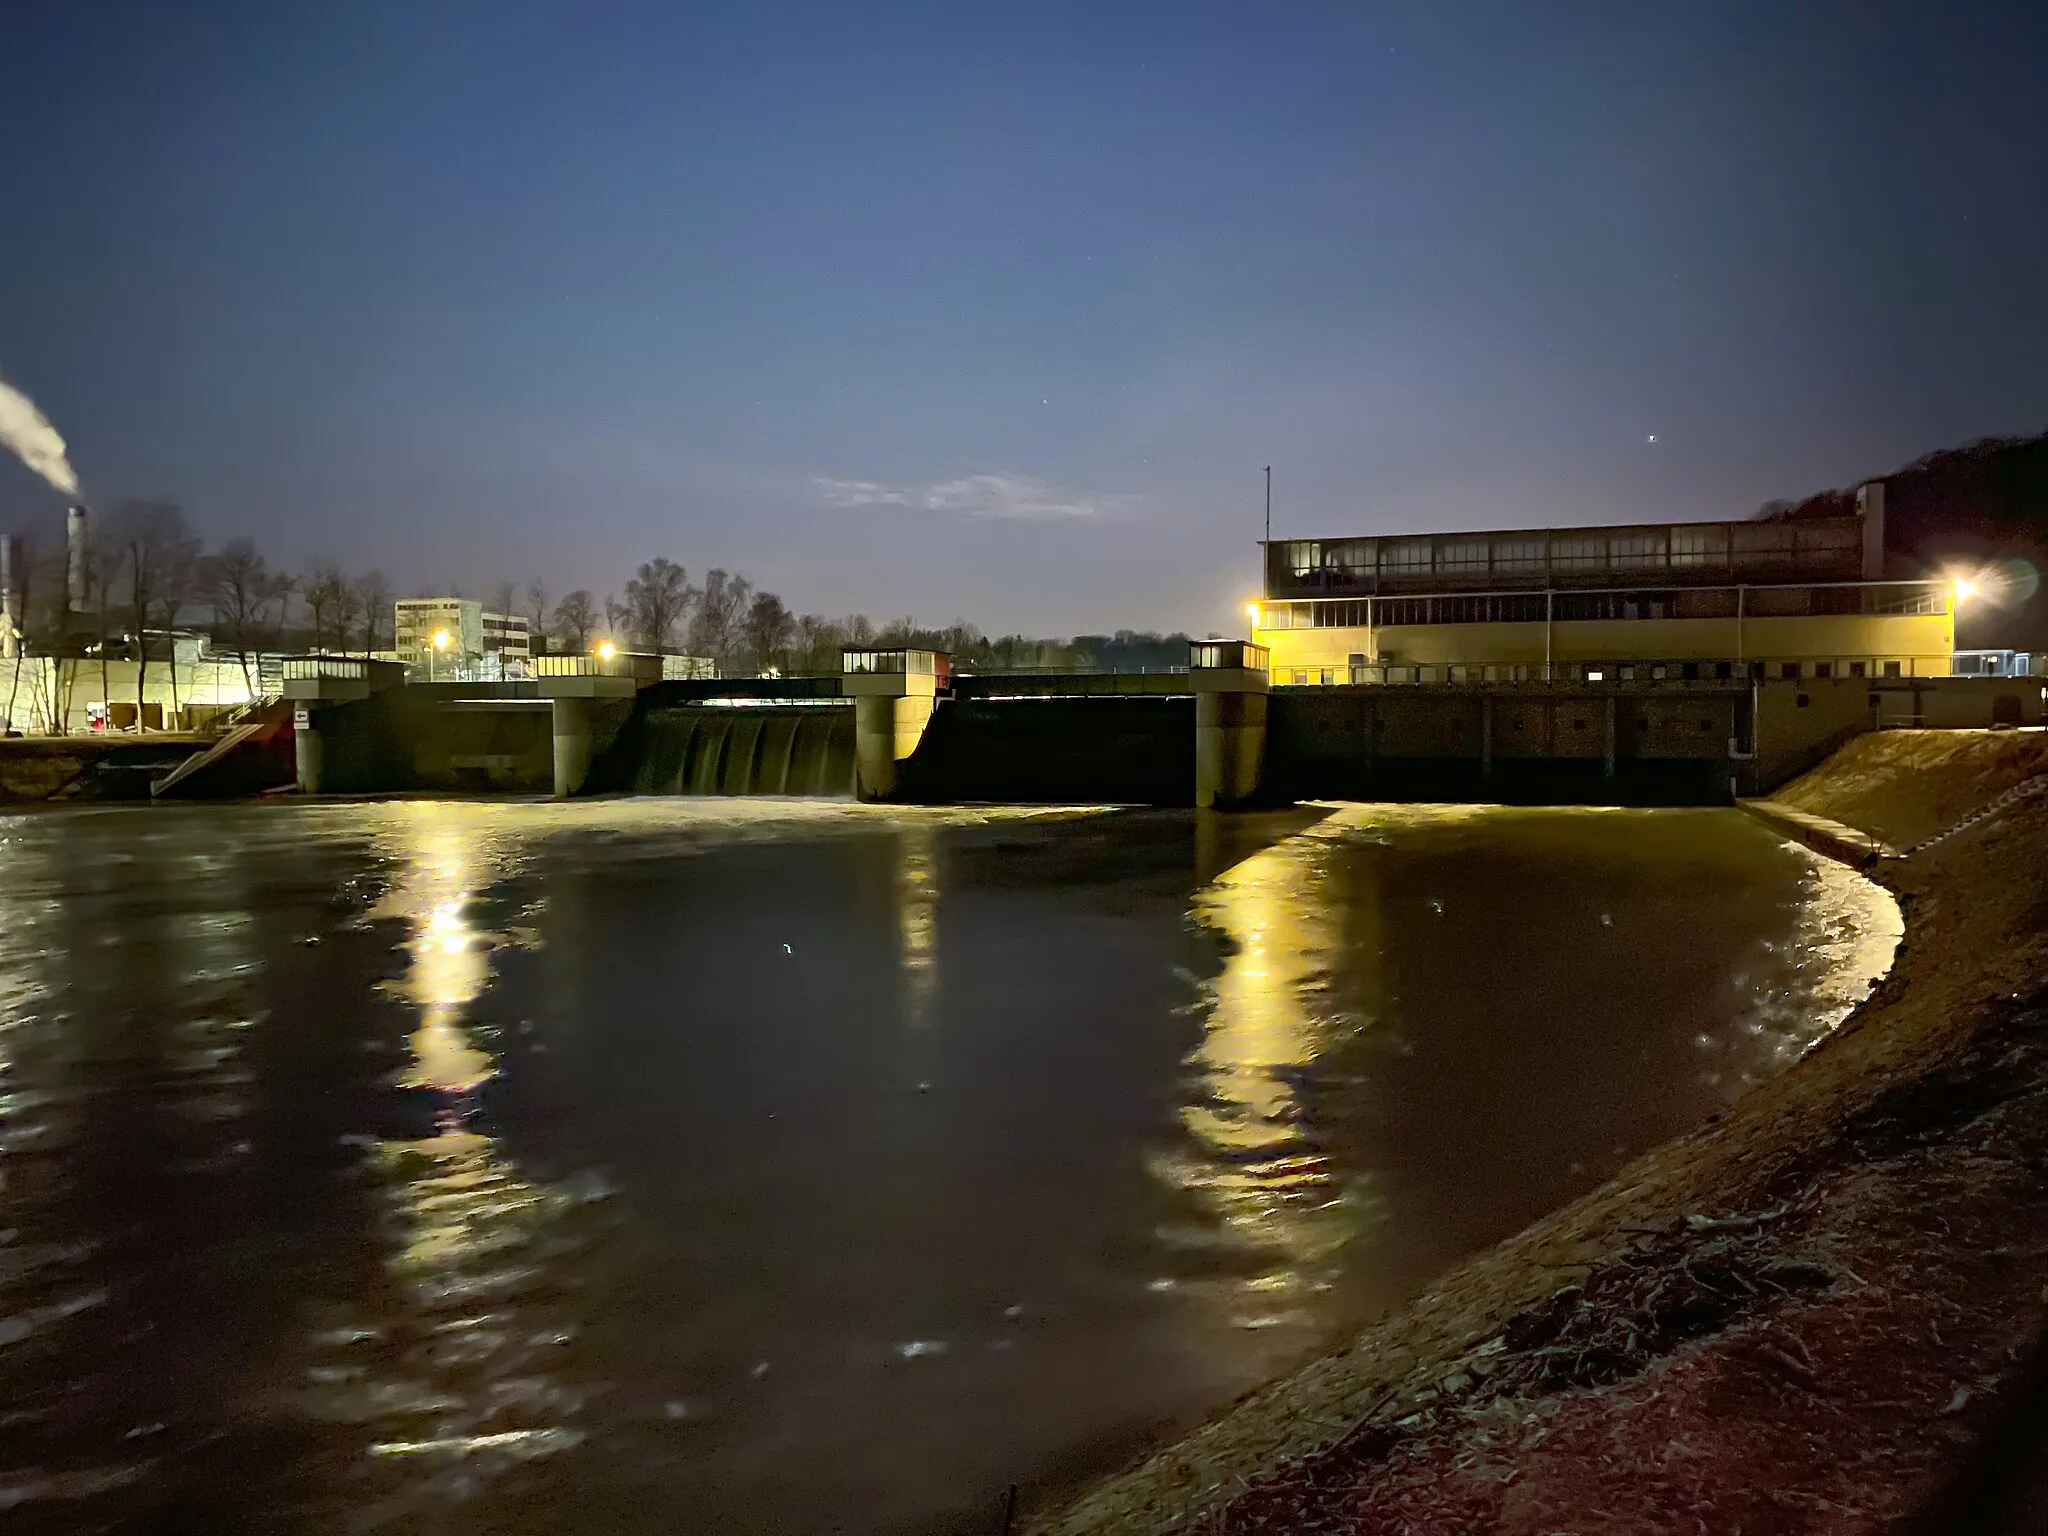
(1362,671)
(1825,541)
(1577,607)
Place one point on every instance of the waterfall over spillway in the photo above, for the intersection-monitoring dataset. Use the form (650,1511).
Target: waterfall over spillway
(698,749)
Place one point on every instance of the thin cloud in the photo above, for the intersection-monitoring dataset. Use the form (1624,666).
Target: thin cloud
(1022,498)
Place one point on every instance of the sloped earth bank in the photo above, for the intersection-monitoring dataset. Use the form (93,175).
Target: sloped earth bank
(1809,1316)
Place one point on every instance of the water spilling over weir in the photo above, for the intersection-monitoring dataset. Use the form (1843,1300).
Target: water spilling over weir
(701,749)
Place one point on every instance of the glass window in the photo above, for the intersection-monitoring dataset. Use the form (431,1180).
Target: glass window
(1304,556)
(1461,555)
(1705,544)
(1789,669)
(1635,551)
(1406,557)
(1354,557)
(1579,551)
(1523,555)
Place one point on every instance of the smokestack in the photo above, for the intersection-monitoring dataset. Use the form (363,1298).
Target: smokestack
(77,536)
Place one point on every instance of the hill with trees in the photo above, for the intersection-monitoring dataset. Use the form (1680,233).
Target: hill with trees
(1983,506)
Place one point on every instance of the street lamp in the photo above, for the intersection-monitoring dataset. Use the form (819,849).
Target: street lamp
(440,643)
(606,650)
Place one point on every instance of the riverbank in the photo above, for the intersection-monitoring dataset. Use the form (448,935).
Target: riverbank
(1800,1317)
(39,768)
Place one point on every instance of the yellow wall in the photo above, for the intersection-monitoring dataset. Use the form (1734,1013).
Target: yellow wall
(1922,642)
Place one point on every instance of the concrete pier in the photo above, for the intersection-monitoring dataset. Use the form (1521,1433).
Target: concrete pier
(308,751)
(572,744)
(572,685)
(1230,682)
(313,684)
(893,693)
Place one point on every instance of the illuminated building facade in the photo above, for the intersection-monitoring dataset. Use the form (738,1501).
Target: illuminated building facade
(474,641)
(1797,598)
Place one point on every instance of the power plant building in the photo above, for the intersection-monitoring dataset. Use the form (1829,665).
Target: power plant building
(1793,598)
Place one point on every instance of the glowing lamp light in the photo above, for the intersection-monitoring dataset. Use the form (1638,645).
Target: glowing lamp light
(1252,612)
(606,650)
(440,639)
(1965,589)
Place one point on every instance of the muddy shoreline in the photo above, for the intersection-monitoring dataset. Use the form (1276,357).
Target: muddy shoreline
(1801,1316)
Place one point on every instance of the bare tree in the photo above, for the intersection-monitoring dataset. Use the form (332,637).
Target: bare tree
(537,613)
(614,614)
(348,607)
(816,637)
(576,619)
(103,562)
(325,591)
(504,598)
(161,559)
(25,627)
(247,596)
(715,630)
(767,630)
(656,599)
(373,592)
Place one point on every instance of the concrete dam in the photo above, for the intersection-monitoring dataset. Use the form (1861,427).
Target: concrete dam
(900,726)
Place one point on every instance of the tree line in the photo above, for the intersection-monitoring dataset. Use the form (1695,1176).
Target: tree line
(748,632)
(148,576)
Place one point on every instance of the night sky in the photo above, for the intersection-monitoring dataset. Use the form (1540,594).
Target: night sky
(997,311)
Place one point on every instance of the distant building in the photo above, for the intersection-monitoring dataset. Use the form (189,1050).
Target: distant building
(1786,599)
(458,638)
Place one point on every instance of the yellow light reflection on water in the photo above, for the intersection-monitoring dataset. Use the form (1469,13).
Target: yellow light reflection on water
(471,1235)
(1269,1016)
(917,903)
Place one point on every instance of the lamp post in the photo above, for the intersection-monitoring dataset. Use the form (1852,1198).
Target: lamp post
(440,644)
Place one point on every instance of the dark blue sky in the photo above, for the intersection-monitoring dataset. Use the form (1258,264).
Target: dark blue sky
(997,311)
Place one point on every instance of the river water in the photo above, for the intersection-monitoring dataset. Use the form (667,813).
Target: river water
(698,1165)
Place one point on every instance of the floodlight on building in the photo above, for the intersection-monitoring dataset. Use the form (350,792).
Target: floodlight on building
(1965,589)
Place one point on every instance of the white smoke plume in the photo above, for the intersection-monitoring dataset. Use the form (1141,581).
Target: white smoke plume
(23,428)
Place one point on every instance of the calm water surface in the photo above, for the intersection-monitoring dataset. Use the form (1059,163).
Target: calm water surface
(756,1166)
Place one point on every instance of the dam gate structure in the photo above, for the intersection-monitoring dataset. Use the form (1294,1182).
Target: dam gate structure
(904,726)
